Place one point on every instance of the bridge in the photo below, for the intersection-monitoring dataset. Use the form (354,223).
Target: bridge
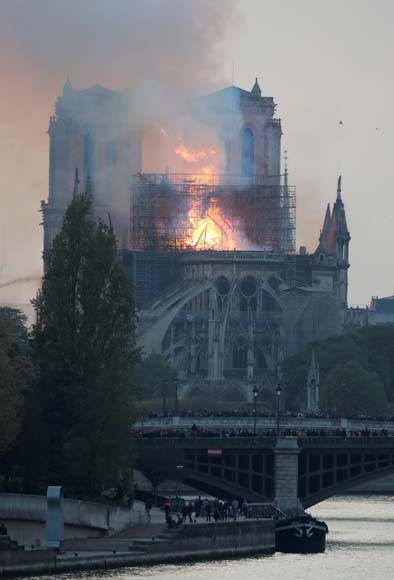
(264,422)
(290,472)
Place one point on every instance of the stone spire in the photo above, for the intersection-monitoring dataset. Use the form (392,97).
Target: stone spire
(338,212)
(256,89)
(339,188)
(313,383)
(326,224)
(68,88)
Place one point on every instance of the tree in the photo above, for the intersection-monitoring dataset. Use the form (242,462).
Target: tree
(16,373)
(350,390)
(156,377)
(84,348)
(371,347)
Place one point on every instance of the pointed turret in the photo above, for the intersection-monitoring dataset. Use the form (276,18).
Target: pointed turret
(325,232)
(313,383)
(339,212)
(68,88)
(339,188)
(256,89)
(327,221)
(340,243)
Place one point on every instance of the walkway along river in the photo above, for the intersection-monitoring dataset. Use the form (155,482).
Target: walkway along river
(359,547)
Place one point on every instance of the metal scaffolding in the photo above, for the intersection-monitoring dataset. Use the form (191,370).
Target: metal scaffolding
(209,211)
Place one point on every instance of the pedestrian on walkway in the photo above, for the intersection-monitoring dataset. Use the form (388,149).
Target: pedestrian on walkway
(190,509)
(208,511)
(167,507)
(148,507)
(235,506)
(185,512)
(197,507)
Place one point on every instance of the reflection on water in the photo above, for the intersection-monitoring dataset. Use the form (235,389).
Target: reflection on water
(359,547)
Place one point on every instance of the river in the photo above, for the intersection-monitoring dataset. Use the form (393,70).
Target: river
(359,547)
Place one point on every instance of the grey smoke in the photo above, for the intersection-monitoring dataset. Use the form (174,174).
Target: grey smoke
(163,50)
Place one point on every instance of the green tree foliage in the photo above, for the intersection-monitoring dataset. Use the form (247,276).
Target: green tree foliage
(16,373)
(371,347)
(156,377)
(84,348)
(349,389)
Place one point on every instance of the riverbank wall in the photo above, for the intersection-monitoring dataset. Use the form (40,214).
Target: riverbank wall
(190,543)
(25,517)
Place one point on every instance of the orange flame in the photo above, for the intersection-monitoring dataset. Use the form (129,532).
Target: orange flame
(194,157)
(209,228)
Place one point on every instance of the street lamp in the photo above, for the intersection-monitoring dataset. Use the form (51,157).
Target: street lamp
(255,395)
(278,394)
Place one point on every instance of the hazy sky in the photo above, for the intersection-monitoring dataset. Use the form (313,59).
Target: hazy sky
(323,61)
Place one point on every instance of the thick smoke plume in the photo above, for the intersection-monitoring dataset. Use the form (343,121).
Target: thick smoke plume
(162,50)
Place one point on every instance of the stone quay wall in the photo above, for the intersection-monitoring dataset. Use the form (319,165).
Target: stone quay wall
(203,541)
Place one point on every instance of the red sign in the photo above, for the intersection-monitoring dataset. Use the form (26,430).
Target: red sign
(214,451)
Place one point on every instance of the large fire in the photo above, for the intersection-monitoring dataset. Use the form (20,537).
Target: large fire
(210,230)
(194,157)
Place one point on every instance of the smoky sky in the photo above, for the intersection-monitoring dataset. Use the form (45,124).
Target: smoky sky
(322,62)
(118,42)
(160,49)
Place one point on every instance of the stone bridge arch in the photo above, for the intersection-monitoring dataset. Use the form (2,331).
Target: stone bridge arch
(256,469)
(336,466)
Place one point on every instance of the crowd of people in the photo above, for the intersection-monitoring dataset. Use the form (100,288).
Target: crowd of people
(207,413)
(195,431)
(205,510)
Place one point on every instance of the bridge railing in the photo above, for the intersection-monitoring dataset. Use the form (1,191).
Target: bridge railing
(264,442)
(205,442)
(262,423)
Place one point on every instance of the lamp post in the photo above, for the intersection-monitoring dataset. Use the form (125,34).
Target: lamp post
(255,395)
(176,382)
(278,394)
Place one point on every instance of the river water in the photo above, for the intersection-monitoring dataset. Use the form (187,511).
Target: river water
(360,546)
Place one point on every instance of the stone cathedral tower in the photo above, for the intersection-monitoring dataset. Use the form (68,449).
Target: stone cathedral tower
(91,131)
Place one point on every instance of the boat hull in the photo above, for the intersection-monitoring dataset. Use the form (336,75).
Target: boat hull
(300,537)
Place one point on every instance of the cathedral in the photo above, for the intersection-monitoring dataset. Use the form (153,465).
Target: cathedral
(222,292)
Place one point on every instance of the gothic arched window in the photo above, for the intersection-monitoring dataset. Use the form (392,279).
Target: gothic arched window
(247,160)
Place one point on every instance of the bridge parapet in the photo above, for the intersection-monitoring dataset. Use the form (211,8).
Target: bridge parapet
(263,423)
